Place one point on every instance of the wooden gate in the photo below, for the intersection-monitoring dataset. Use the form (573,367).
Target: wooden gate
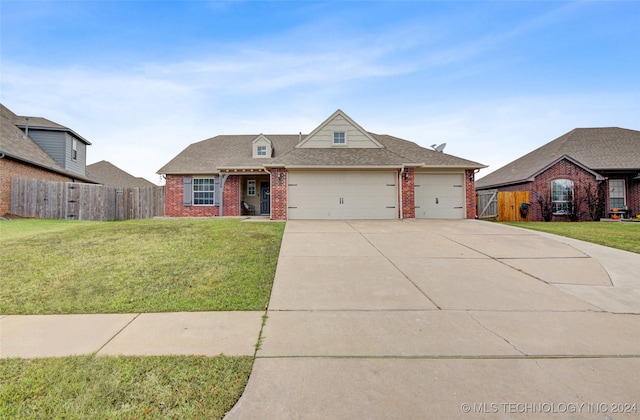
(509,203)
(487,203)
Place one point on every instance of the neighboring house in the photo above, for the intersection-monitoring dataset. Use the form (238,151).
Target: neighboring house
(36,148)
(586,174)
(108,174)
(338,171)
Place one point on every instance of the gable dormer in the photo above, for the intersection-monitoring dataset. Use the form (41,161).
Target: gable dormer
(262,147)
(339,131)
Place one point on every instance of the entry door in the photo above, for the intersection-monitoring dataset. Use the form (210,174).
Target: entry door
(265,198)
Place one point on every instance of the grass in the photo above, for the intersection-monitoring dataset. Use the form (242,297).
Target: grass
(89,387)
(620,235)
(65,267)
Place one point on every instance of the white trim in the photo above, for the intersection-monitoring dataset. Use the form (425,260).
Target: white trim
(193,191)
(333,139)
(624,192)
(249,181)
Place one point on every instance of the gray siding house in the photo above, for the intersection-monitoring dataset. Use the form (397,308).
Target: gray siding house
(64,145)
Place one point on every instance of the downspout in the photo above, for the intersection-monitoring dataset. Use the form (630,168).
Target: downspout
(223,179)
(400,179)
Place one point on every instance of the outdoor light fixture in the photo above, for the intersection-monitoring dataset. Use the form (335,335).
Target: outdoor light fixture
(406,174)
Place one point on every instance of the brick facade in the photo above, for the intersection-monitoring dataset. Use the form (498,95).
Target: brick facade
(633,196)
(10,168)
(233,192)
(279,194)
(540,190)
(470,193)
(408,194)
(173,205)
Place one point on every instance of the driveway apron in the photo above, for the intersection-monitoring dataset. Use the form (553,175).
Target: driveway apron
(445,319)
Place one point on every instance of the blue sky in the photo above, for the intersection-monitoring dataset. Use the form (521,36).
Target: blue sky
(494,80)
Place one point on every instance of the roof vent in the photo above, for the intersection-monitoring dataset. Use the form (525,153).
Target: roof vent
(26,128)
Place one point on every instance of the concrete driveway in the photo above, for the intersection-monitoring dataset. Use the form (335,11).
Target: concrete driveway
(446,319)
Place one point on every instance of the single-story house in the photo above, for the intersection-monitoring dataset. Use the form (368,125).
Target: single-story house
(586,174)
(338,171)
(108,174)
(37,148)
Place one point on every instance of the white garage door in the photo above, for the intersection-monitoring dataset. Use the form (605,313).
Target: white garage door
(342,195)
(439,196)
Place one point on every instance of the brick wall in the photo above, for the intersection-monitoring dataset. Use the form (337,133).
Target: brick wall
(408,194)
(470,193)
(10,168)
(231,200)
(174,190)
(633,197)
(541,187)
(279,194)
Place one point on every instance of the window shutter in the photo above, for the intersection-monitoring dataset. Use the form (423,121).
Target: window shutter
(217,192)
(187,199)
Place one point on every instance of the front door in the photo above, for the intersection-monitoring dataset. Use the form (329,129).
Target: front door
(265,198)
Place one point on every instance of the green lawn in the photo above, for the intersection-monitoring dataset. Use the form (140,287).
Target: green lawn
(620,235)
(89,387)
(65,267)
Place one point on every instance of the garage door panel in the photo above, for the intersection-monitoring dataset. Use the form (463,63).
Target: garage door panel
(439,196)
(342,195)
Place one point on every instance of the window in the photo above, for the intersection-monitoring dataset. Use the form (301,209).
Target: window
(262,151)
(561,195)
(203,193)
(616,193)
(74,149)
(251,187)
(339,138)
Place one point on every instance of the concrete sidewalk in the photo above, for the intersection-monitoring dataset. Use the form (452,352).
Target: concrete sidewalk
(444,319)
(181,333)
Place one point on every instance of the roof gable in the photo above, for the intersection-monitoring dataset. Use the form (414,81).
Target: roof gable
(355,137)
(262,147)
(234,152)
(110,175)
(606,148)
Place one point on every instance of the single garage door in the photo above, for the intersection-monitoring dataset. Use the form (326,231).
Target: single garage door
(439,196)
(342,195)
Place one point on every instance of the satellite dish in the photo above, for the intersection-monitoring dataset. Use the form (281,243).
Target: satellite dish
(439,148)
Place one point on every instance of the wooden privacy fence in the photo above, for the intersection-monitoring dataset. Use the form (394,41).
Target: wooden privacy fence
(503,206)
(76,201)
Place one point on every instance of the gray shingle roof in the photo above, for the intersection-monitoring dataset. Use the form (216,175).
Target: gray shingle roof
(14,145)
(607,148)
(40,123)
(110,175)
(235,151)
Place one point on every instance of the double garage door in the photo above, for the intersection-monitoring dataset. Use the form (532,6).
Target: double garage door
(342,195)
(371,195)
